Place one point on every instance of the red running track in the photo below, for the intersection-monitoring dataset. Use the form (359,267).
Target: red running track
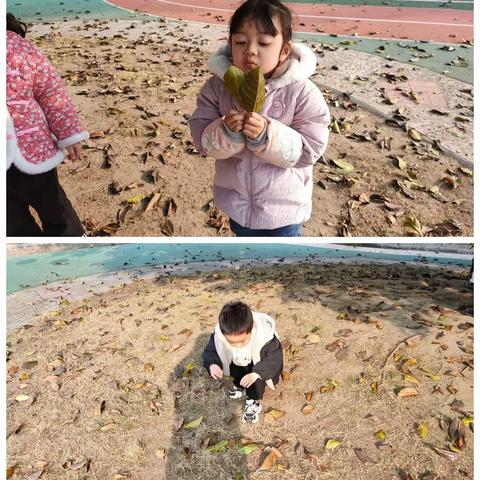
(439,25)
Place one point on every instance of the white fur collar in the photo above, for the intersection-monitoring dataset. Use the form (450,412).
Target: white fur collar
(303,63)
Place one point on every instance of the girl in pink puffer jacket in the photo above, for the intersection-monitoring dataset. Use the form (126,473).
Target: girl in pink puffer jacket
(264,162)
(41,123)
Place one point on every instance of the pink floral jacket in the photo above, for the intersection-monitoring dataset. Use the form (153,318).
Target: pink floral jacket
(38,107)
(265,183)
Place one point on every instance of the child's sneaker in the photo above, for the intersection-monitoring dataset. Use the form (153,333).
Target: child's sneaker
(252,409)
(235,392)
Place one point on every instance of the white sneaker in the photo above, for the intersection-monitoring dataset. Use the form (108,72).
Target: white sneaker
(252,410)
(235,392)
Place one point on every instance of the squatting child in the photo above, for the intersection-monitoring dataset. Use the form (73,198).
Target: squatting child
(246,347)
(264,161)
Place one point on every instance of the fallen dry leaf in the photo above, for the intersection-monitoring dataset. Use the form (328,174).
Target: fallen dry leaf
(273,455)
(362,455)
(407,392)
(307,409)
(456,431)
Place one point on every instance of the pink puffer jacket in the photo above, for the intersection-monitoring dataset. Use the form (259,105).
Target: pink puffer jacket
(37,107)
(266,184)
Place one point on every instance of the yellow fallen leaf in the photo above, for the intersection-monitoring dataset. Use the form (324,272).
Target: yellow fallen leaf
(380,435)
(22,398)
(193,424)
(187,370)
(467,421)
(414,135)
(423,429)
(275,414)
(136,199)
(410,378)
(332,444)
(10,471)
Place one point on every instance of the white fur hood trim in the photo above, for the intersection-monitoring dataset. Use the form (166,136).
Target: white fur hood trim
(303,63)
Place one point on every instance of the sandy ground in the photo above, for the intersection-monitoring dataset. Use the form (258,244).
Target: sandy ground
(135,96)
(105,387)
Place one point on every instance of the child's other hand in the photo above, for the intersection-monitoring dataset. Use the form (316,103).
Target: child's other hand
(253,125)
(216,372)
(249,379)
(74,152)
(234,120)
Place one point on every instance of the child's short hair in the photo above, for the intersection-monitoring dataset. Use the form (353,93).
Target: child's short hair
(15,25)
(235,318)
(263,12)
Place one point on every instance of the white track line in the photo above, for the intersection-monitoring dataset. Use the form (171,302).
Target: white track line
(186,5)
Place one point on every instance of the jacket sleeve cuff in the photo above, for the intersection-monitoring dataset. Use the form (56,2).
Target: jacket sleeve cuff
(235,137)
(218,144)
(261,139)
(66,142)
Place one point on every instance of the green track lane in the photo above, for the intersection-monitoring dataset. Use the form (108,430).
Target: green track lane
(439,58)
(454,5)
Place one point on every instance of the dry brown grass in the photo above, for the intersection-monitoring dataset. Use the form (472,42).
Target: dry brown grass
(107,342)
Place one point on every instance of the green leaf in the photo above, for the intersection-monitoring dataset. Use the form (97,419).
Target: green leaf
(253,90)
(234,79)
(332,444)
(246,449)
(193,424)
(344,166)
(248,89)
(221,446)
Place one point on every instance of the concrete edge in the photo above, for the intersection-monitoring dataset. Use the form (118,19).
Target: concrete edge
(377,111)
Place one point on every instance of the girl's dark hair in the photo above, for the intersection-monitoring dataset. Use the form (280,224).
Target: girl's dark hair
(16,26)
(262,12)
(235,318)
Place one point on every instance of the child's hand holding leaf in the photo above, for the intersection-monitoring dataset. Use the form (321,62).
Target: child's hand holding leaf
(253,125)
(234,120)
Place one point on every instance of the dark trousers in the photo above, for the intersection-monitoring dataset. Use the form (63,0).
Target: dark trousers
(44,193)
(255,391)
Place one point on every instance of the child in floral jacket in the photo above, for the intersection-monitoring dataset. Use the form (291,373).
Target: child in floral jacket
(41,123)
